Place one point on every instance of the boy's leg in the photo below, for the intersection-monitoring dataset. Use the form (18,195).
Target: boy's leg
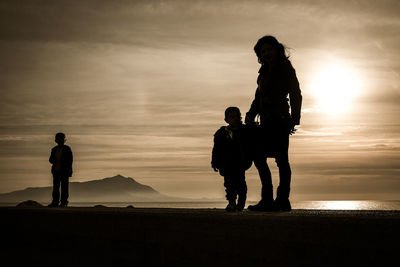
(229,187)
(56,190)
(230,191)
(64,191)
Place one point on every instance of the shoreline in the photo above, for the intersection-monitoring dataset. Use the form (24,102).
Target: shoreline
(303,205)
(87,236)
(99,207)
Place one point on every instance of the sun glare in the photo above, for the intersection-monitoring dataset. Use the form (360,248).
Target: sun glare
(340,205)
(335,87)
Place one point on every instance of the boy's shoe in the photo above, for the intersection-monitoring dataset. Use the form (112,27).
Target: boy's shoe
(283,205)
(241,203)
(53,205)
(240,206)
(231,206)
(63,205)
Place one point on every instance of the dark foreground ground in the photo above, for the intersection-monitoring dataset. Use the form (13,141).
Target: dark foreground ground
(201,237)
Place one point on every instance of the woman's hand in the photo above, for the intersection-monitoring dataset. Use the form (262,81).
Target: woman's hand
(292,129)
(248,121)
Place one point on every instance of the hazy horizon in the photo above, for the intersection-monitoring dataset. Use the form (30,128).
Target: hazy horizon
(140,87)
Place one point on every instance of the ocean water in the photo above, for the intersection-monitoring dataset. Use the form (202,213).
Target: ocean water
(316,205)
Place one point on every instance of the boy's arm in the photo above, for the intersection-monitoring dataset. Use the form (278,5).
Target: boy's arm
(214,156)
(71,160)
(216,153)
(51,159)
(70,157)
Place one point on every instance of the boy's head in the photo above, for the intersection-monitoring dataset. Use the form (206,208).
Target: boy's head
(60,138)
(233,116)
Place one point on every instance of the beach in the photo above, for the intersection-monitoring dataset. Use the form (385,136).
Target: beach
(86,236)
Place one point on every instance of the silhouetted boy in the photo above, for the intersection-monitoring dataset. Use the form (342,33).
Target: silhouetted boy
(231,157)
(61,158)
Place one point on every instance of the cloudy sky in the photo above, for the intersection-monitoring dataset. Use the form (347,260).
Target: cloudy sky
(139,87)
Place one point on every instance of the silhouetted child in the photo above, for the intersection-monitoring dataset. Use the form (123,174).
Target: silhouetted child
(61,158)
(231,157)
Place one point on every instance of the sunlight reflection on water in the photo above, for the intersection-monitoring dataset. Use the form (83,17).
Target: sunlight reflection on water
(348,205)
(337,205)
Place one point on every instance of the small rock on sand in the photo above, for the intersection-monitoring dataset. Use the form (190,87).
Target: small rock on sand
(29,203)
(100,206)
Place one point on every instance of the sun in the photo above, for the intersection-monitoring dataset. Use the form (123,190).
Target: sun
(335,87)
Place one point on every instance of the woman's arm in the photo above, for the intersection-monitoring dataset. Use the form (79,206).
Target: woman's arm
(254,109)
(295,98)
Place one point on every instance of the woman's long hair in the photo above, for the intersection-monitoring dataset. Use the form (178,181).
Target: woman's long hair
(271,40)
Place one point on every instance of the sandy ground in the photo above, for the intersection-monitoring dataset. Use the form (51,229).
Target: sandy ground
(197,237)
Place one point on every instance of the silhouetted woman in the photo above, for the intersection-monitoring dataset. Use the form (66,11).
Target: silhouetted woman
(276,82)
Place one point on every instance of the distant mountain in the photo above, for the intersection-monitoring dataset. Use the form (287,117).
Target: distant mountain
(112,189)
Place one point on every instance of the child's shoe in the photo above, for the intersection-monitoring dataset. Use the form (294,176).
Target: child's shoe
(231,206)
(240,207)
(241,203)
(53,205)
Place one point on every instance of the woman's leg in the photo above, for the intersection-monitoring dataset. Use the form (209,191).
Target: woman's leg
(282,160)
(267,200)
(266,179)
(242,190)
(285,174)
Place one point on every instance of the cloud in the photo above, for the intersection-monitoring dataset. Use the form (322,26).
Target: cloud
(145,22)
(316,134)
